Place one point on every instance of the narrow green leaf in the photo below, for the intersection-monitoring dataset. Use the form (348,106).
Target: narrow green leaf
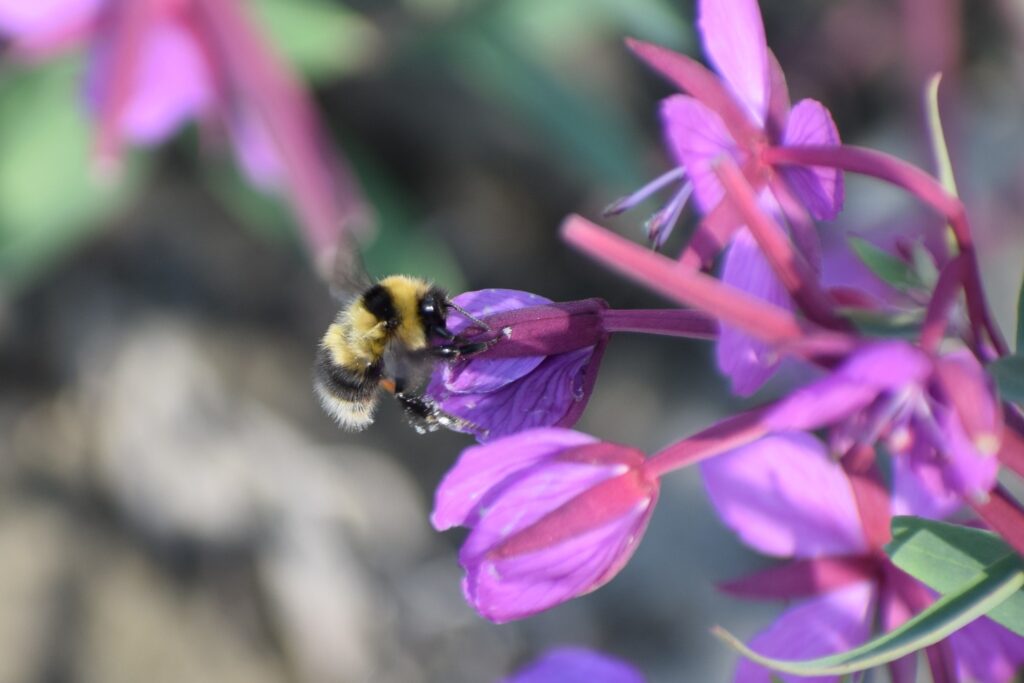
(938,138)
(953,611)
(1020,319)
(321,39)
(892,270)
(946,556)
(1009,376)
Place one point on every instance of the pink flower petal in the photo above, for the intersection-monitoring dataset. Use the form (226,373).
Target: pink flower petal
(986,652)
(172,83)
(733,36)
(576,665)
(971,393)
(919,487)
(831,623)
(744,359)
(479,468)
(880,367)
(820,188)
(37,20)
(785,497)
(255,150)
(563,529)
(696,137)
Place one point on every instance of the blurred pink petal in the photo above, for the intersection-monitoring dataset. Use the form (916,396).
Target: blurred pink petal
(255,149)
(819,188)
(919,487)
(481,467)
(972,395)
(733,36)
(784,496)
(576,665)
(40,21)
(986,652)
(831,623)
(696,136)
(745,360)
(170,85)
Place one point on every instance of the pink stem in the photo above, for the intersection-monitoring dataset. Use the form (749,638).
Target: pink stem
(1003,515)
(712,234)
(790,267)
(937,317)
(924,187)
(728,304)
(802,578)
(1011,445)
(671,322)
(873,503)
(723,436)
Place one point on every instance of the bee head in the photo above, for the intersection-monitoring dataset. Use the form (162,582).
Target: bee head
(433,310)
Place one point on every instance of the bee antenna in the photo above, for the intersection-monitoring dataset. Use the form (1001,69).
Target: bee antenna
(467,314)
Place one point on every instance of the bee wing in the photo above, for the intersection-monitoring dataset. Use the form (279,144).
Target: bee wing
(347,275)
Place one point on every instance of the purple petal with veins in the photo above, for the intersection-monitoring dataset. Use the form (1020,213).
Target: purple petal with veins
(733,37)
(576,665)
(819,188)
(784,496)
(480,468)
(696,137)
(480,375)
(745,360)
(832,623)
(548,395)
(171,85)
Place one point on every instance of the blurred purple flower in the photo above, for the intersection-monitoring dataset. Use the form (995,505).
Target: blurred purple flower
(576,665)
(155,65)
(698,135)
(553,514)
(785,497)
(938,412)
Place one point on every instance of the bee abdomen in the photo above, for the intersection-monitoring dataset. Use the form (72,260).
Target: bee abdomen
(348,395)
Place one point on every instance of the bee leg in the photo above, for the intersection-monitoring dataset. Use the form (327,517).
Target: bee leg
(425,416)
(466,314)
(460,349)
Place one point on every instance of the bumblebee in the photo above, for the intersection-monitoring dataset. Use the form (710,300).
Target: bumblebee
(385,337)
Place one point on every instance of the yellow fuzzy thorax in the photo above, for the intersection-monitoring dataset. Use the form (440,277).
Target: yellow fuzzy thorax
(358,338)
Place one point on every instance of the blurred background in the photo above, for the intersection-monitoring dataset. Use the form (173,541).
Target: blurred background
(174,506)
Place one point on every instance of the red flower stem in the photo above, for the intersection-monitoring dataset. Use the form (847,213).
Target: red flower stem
(802,578)
(874,506)
(728,304)
(722,436)
(924,187)
(1003,515)
(943,297)
(793,271)
(1011,445)
(713,232)
(670,322)
(802,228)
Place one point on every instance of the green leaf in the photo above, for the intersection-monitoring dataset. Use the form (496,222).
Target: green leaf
(989,589)
(1009,376)
(938,138)
(946,556)
(890,269)
(50,197)
(1020,319)
(321,39)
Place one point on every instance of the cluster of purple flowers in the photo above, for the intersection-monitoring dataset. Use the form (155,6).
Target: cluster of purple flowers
(554,513)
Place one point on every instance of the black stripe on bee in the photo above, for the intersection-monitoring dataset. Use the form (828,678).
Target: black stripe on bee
(344,383)
(377,300)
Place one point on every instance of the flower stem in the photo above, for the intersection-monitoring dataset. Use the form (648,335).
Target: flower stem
(924,187)
(793,271)
(1004,516)
(728,304)
(720,437)
(670,322)
(943,297)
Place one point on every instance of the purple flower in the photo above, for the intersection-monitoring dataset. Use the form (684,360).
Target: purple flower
(541,374)
(785,497)
(155,65)
(939,412)
(553,514)
(576,665)
(698,135)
